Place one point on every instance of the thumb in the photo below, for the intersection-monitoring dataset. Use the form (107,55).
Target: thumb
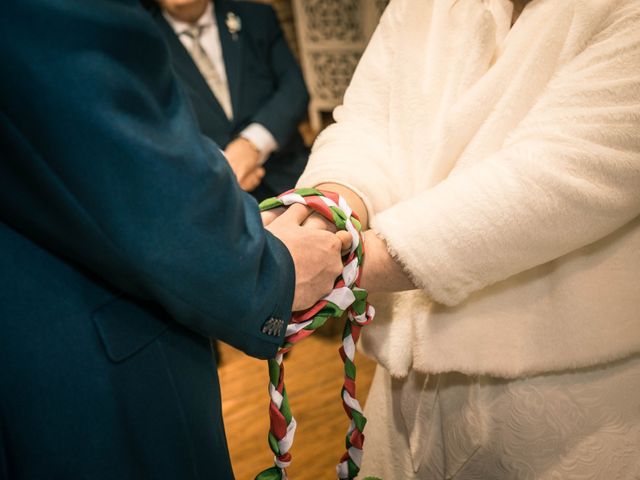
(345,239)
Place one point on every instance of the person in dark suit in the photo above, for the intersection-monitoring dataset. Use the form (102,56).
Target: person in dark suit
(125,246)
(245,85)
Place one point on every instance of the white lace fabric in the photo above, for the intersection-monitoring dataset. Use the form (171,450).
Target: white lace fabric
(583,424)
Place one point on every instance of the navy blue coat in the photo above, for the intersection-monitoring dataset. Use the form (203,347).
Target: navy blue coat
(125,246)
(265,83)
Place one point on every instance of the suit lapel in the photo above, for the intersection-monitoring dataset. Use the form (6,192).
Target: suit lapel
(185,67)
(232,49)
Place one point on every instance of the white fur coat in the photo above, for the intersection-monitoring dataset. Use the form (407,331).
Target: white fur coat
(502,166)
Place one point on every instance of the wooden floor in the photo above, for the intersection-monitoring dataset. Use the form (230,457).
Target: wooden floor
(313,379)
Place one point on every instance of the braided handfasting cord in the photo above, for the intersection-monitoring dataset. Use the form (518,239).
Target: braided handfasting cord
(345,296)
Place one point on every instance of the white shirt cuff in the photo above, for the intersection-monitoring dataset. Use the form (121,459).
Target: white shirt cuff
(262,139)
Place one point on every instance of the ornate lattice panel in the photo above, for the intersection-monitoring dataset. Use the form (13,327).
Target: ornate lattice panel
(332,35)
(333,72)
(333,20)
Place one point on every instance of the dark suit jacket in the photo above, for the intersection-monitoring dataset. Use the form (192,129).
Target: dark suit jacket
(265,83)
(125,245)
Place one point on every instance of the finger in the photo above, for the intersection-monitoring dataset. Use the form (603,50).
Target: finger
(270,215)
(345,240)
(297,213)
(246,184)
(237,173)
(251,180)
(318,222)
(337,262)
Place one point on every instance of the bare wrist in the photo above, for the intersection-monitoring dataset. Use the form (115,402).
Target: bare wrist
(381,272)
(252,145)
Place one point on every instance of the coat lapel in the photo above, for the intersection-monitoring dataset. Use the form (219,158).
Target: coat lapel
(232,50)
(185,67)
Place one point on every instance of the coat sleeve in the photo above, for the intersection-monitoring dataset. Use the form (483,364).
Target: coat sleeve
(354,151)
(567,176)
(282,111)
(103,165)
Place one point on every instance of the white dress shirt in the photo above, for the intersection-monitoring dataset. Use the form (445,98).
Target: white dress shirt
(256,133)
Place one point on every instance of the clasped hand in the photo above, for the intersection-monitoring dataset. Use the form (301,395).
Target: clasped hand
(314,245)
(244,160)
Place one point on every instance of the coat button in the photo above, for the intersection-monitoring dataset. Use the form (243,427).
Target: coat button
(273,326)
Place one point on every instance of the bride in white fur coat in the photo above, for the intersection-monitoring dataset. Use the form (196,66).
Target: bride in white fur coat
(496,158)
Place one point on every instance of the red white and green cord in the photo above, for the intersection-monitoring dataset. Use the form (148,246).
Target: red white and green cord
(345,296)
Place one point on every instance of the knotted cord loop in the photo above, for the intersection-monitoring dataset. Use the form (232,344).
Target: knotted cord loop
(345,296)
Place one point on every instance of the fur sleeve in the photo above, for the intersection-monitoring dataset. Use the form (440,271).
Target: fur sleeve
(354,150)
(567,176)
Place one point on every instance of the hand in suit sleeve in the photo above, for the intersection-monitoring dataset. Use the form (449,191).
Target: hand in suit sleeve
(103,165)
(282,112)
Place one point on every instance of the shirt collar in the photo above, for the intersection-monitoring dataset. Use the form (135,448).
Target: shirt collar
(180,27)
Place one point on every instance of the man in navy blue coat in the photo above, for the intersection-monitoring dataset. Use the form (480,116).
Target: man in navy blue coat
(125,246)
(253,104)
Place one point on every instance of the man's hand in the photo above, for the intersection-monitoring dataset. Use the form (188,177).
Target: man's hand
(316,254)
(314,220)
(318,222)
(269,216)
(244,159)
(251,181)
